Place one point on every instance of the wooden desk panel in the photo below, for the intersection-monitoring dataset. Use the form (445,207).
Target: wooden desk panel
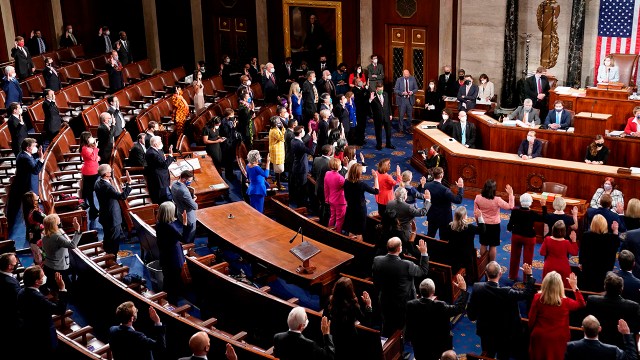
(476,166)
(267,241)
(589,123)
(203,179)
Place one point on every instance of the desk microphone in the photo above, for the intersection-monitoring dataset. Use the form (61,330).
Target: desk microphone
(592,105)
(193,170)
(296,235)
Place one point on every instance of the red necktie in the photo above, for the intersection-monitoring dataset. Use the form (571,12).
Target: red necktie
(539,87)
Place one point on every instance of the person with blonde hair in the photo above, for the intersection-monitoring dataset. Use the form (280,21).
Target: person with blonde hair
(559,204)
(549,317)
(598,248)
(334,194)
(556,249)
(276,149)
(631,216)
(413,194)
(461,236)
(170,235)
(295,101)
(56,245)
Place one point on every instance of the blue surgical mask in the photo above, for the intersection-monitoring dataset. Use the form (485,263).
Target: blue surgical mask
(330,101)
(187,182)
(249,100)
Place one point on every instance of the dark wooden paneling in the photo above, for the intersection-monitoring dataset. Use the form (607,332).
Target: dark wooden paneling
(32,15)
(175,34)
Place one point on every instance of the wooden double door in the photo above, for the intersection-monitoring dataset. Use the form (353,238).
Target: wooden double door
(407,49)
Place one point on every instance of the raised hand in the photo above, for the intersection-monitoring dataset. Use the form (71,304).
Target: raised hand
(374,173)
(477,213)
(230,352)
(361,157)
(325,326)
(153,315)
(574,211)
(373,95)
(460,182)
(76,224)
(366,298)
(509,190)
(170,149)
(623,328)
(398,172)
(620,208)
(614,227)
(314,136)
(526,269)
(427,195)
(460,284)
(573,281)
(40,155)
(422,247)
(572,236)
(59,281)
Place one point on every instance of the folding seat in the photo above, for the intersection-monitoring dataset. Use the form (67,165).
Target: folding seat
(99,85)
(99,64)
(65,56)
(144,68)
(86,68)
(84,91)
(36,85)
(77,52)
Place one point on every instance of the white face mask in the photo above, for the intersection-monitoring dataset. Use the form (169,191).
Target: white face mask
(431,86)
(248,83)
(463,119)
(70,31)
(160,146)
(91,140)
(530,138)
(359,71)
(374,61)
(107,33)
(527,108)
(328,77)
(34,150)
(273,70)
(483,81)
(44,279)
(445,117)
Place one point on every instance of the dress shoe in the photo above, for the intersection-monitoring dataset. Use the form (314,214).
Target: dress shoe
(389,146)
(378,147)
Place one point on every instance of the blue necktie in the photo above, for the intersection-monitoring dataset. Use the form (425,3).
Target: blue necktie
(464,135)
(558,117)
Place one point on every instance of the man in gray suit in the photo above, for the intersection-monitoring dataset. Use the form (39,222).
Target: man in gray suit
(526,115)
(405,89)
(399,215)
(375,73)
(185,202)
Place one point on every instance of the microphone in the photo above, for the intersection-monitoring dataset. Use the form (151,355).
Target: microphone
(296,235)
(592,105)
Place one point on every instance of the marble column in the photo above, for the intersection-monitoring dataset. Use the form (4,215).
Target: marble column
(58,26)
(366,29)
(446,34)
(509,98)
(151,32)
(197,29)
(7,24)
(262,31)
(576,43)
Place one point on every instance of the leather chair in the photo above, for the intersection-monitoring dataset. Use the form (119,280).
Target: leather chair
(627,66)
(554,187)
(545,145)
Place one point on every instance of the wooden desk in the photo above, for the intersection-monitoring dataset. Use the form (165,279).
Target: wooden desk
(589,123)
(453,106)
(492,135)
(476,166)
(203,180)
(268,242)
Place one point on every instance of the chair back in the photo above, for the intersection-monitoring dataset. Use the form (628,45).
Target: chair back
(554,187)
(627,67)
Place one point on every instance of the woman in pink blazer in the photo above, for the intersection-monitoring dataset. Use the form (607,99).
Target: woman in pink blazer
(334,194)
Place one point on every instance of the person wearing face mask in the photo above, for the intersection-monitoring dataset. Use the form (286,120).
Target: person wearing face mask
(381,113)
(22,57)
(340,78)
(180,110)
(52,119)
(105,137)
(90,157)
(110,212)
(17,126)
(461,74)
(286,73)
(560,119)
(186,204)
(37,311)
(270,84)
(276,148)
(608,72)
(326,85)
(245,86)
(300,165)
(56,245)
(137,153)
(68,39)
(361,97)
(157,171)
(356,75)
(212,139)
(633,123)
(485,89)
(405,89)
(257,177)
(322,65)
(446,123)
(36,43)
(127,343)
(103,43)
(11,87)
(467,94)
(114,69)
(464,132)
(341,113)
(525,115)
(597,152)
(447,83)
(226,69)
(609,188)
(537,89)
(50,74)
(9,289)
(198,97)
(375,73)
(309,98)
(530,148)
(433,159)
(123,46)
(432,101)
(119,121)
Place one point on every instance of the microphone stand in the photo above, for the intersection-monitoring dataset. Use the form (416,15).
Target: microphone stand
(193,170)
(296,235)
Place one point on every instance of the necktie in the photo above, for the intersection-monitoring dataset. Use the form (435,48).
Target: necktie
(558,117)
(406,85)
(467,92)
(73,39)
(464,134)
(41,46)
(539,86)
(24,51)
(446,78)
(109,48)
(124,44)
(381,99)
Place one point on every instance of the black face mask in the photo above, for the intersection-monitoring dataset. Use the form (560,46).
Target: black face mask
(468,82)
(461,77)
(599,145)
(447,72)
(60,226)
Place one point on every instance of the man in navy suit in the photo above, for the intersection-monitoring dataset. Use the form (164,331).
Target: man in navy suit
(52,119)
(405,90)
(292,345)
(110,212)
(51,78)
(9,289)
(17,127)
(381,114)
(157,171)
(531,147)
(127,343)
(631,284)
(11,87)
(558,119)
(606,211)
(22,57)
(467,94)
(36,311)
(447,85)
(590,347)
(300,167)
(270,84)
(26,178)
(632,243)
(439,216)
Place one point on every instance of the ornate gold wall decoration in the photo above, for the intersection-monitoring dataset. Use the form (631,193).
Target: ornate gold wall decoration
(547,15)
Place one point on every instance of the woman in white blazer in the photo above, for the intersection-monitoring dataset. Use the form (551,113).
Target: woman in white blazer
(608,72)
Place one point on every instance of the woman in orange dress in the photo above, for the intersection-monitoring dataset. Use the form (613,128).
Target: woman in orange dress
(180,111)
(549,317)
(556,249)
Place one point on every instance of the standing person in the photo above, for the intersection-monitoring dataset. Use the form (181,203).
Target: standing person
(399,217)
(104,43)
(291,344)
(29,163)
(89,152)
(211,138)
(341,113)
(340,78)
(52,119)
(461,236)
(50,74)
(228,130)
(114,69)
(171,235)
(309,98)
(129,344)
(180,111)
(631,284)
(598,250)
(295,101)
(350,105)
(270,84)
(356,75)
(319,169)
(334,194)
(537,89)
(157,171)
(56,245)
(495,310)
(375,73)
(354,189)
(22,57)
(381,113)
(118,121)
(570,221)
(257,179)
(111,214)
(105,138)
(447,83)
(17,127)
(245,120)
(68,39)
(386,183)
(467,94)
(592,347)
(9,290)
(394,279)
(485,89)
(123,46)
(432,101)
(300,165)
(523,234)
(11,88)
(361,100)
(549,317)
(33,219)
(490,205)
(185,204)
(198,98)
(405,89)
(276,149)
(556,249)
(441,199)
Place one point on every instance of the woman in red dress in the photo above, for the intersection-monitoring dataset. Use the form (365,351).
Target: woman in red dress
(556,250)
(549,317)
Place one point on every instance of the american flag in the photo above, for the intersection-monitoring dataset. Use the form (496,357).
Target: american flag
(617,29)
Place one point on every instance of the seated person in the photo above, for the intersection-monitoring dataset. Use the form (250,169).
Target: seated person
(632,123)
(526,115)
(433,159)
(597,153)
(608,72)
(609,188)
(467,94)
(446,123)
(464,132)
(531,147)
(558,119)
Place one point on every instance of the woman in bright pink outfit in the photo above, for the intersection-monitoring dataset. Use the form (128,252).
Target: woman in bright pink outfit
(334,194)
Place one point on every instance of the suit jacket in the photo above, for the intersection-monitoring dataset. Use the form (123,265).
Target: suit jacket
(495,308)
(608,310)
(448,87)
(609,215)
(326,86)
(342,113)
(470,133)
(52,119)
(116,82)
(394,280)
(361,99)
(108,197)
(612,76)
(18,133)
(126,343)
(531,91)
(270,87)
(23,62)
(594,349)
(9,289)
(284,75)
(632,243)
(57,246)
(631,288)
(404,214)
(184,201)
(291,345)
(27,170)
(467,98)
(105,143)
(117,125)
(51,79)
(137,155)
(157,173)
(36,311)
(34,46)
(379,72)
(101,44)
(308,98)
(318,171)
(67,41)
(535,152)
(323,134)
(380,112)
(565,119)
(400,88)
(12,91)
(441,199)
(300,160)
(534,115)
(124,54)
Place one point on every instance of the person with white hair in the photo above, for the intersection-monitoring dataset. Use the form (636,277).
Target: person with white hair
(530,147)
(106,132)
(525,115)
(292,345)
(270,84)
(110,212)
(11,87)
(257,177)
(171,235)
(523,234)
(399,216)
(157,171)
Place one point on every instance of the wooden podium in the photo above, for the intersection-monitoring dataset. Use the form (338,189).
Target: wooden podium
(588,123)
(304,252)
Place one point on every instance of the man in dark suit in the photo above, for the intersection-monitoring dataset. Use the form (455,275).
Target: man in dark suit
(29,163)
(375,73)
(606,211)
(114,69)
(103,43)
(326,85)
(464,132)
(590,347)
(52,119)
(51,78)
(270,84)
(309,98)
(611,307)
(442,197)
(110,212)
(200,344)
(429,320)
(399,216)
(467,94)
(318,171)
(300,165)
(394,280)
(127,343)
(11,87)
(632,243)
(22,57)
(447,84)
(36,43)
(537,89)
(105,137)
(292,345)
(17,127)
(137,153)
(286,75)
(123,47)
(117,120)
(157,171)
(558,119)
(405,90)
(531,147)
(495,310)
(381,113)
(68,39)
(631,284)
(322,65)
(9,289)
(36,312)
(361,100)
